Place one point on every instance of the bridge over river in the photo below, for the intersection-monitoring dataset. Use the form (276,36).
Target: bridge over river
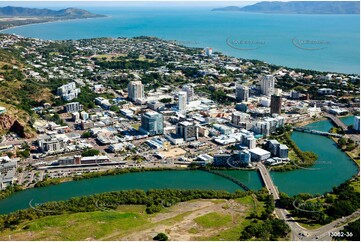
(313,131)
(334,119)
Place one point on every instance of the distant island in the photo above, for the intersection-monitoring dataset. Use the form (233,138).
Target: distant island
(299,7)
(15,16)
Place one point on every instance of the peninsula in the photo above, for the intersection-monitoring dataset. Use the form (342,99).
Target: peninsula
(15,16)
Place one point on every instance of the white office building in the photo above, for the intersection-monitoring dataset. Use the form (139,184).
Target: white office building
(190,92)
(182,101)
(268,85)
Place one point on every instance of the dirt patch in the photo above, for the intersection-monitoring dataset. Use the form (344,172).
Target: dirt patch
(179,222)
(173,153)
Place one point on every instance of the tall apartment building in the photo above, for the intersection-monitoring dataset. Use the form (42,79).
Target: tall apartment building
(190,92)
(187,130)
(68,91)
(73,107)
(182,101)
(268,85)
(208,51)
(276,104)
(242,93)
(248,139)
(135,90)
(152,123)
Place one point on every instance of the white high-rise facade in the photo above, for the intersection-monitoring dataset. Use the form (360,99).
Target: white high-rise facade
(182,101)
(208,51)
(135,90)
(268,85)
(190,92)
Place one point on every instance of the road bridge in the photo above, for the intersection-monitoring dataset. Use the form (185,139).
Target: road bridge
(313,131)
(334,119)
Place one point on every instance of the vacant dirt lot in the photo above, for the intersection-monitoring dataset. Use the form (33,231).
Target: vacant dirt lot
(179,222)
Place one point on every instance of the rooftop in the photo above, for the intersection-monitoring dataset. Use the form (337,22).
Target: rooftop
(259,151)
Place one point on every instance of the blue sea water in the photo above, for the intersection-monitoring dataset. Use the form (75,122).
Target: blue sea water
(320,42)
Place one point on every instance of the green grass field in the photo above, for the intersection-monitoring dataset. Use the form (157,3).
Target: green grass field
(217,221)
(214,219)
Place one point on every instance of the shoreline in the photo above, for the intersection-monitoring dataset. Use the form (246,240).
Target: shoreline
(188,46)
(111,172)
(309,121)
(47,22)
(348,153)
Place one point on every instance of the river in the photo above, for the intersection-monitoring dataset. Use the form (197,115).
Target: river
(331,169)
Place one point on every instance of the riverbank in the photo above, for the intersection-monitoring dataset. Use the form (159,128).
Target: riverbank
(353,154)
(309,121)
(298,159)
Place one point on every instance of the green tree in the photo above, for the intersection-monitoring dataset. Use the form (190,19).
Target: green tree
(161,237)
(342,141)
(86,135)
(114,108)
(90,152)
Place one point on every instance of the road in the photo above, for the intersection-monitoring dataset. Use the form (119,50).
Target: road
(337,121)
(322,233)
(268,180)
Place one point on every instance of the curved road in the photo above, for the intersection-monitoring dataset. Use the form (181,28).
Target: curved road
(297,231)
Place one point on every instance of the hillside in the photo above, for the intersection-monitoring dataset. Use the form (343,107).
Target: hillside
(299,7)
(11,11)
(17,96)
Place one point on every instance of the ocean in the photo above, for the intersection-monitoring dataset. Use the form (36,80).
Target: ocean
(328,43)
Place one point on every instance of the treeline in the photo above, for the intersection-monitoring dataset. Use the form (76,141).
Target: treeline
(341,202)
(265,226)
(154,200)
(266,230)
(48,182)
(9,191)
(118,171)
